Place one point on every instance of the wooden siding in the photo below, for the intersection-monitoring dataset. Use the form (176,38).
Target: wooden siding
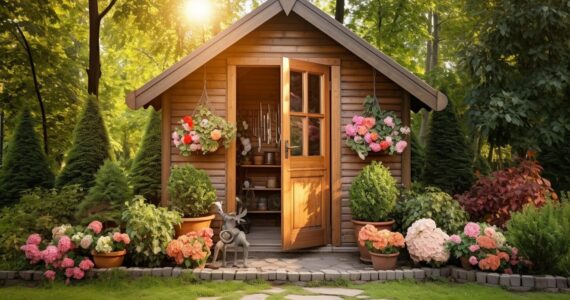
(292,37)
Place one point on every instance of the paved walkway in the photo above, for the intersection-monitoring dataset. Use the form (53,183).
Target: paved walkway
(323,293)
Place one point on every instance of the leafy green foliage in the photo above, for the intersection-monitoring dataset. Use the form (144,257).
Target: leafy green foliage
(430,203)
(37,212)
(418,158)
(373,193)
(90,148)
(555,160)
(145,171)
(448,157)
(150,229)
(106,198)
(191,191)
(25,166)
(541,235)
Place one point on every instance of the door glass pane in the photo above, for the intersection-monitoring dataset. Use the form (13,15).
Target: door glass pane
(296,92)
(314,93)
(297,136)
(314,136)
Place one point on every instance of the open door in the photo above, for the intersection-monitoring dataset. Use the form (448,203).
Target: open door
(305,152)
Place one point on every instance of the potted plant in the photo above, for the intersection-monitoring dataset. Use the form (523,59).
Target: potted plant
(382,245)
(192,249)
(192,194)
(372,196)
(110,249)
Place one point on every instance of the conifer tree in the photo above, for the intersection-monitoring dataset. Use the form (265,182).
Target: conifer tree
(556,163)
(145,171)
(418,158)
(106,198)
(448,157)
(89,150)
(25,165)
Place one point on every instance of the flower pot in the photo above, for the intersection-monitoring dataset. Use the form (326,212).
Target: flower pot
(193,224)
(465,264)
(109,260)
(258,159)
(364,255)
(384,261)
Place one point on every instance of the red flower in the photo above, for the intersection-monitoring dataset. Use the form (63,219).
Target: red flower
(384,145)
(188,120)
(187,139)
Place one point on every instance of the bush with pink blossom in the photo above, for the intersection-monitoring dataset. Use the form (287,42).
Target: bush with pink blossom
(426,243)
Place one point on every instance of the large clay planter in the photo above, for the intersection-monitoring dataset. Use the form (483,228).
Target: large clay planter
(109,260)
(465,264)
(364,255)
(384,261)
(193,224)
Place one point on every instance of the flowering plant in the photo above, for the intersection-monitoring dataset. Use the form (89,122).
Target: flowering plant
(427,243)
(380,241)
(204,131)
(486,248)
(246,146)
(191,249)
(113,241)
(376,130)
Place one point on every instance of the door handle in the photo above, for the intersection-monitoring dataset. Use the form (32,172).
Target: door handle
(287,148)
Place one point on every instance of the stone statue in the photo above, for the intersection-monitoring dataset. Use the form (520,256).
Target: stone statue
(231,235)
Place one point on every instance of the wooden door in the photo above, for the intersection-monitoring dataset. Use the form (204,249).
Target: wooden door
(305,152)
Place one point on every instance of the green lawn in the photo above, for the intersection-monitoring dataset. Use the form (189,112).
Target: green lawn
(116,287)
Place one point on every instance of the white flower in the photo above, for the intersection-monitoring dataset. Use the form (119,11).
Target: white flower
(86,241)
(104,244)
(426,242)
(499,239)
(59,231)
(204,122)
(76,238)
(245,125)
(405,130)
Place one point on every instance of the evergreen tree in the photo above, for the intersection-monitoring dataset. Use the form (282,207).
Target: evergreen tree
(105,199)
(25,165)
(89,150)
(556,163)
(418,158)
(448,163)
(145,171)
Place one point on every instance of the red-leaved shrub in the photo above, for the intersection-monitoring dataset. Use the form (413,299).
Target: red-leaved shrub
(492,199)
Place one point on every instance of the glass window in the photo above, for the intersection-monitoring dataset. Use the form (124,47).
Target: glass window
(314,136)
(297,136)
(296,92)
(314,94)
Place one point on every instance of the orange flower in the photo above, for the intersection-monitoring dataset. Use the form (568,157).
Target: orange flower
(374,136)
(366,233)
(486,242)
(216,134)
(504,256)
(397,239)
(491,262)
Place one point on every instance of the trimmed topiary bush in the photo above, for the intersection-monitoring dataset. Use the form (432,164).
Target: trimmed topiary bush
(448,163)
(25,166)
(191,191)
(373,194)
(106,198)
(90,148)
(145,171)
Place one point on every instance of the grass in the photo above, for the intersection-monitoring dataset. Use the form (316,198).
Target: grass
(116,286)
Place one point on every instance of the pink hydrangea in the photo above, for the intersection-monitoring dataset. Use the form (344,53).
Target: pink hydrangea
(49,275)
(96,226)
(375,147)
(126,239)
(474,248)
(32,252)
(357,120)
(368,138)
(86,264)
(490,231)
(401,146)
(117,237)
(473,260)
(455,239)
(472,230)
(50,254)
(389,121)
(69,272)
(64,244)
(426,242)
(350,130)
(34,239)
(78,273)
(67,263)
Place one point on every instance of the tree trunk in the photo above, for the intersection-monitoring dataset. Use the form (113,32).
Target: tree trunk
(435,41)
(339,11)
(430,64)
(1,135)
(94,70)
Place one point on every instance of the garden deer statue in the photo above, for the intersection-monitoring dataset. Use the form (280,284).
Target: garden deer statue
(231,235)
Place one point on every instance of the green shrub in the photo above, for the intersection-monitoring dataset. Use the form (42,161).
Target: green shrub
(556,162)
(191,191)
(430,202)
(105,201)
(25,166)
(150,229)
(542,236)
(373,193)
(145,171)
(38,211)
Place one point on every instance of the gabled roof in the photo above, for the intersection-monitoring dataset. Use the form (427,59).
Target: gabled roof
(380,61)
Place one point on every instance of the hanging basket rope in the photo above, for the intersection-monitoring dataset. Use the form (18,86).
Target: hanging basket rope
(204,100)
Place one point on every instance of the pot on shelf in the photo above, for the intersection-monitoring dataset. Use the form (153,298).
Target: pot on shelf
(109,260)
(194,224)
(384,261)
(364,254)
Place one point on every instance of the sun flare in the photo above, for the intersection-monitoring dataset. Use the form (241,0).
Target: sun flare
(197,10)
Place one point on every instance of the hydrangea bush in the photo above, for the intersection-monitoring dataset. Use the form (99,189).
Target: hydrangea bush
(427,243)
(192,249)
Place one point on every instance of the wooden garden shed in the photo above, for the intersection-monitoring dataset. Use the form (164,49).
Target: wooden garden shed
(309,75)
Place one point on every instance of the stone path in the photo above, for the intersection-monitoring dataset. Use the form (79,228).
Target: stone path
(321,293)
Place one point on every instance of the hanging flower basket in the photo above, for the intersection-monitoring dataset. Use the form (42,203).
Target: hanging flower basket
(376,130)
(204,131)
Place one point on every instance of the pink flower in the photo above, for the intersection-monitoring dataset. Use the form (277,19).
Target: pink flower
(195,138)
(473,260)
(86,264)
(389,121)
(78,273)
(67,263)
(117,237)
(472,229)
(32,252)
(69,272)
(49,275)
(349,130)
(96,226)
(490,231)
(362,130)
(474,248)
(177,143)
(358,139)
(34,239)
(357,120)
(368,138)
(455,239)
(514,251)
(389,140)
(50,254)
(369,122)
(194,147)
(64,244)
(405,130)
(375,147)
(126,239)
(401,146)
(186,127)
(175,136)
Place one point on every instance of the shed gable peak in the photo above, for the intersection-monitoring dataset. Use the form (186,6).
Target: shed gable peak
(287,5)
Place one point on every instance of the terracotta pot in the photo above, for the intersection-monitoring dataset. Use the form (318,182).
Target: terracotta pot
(193,224)
(384,261)
(258,160)
(465,264)
(364,255)
(109,260)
